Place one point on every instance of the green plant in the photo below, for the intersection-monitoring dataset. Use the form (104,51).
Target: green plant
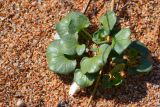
(107,50)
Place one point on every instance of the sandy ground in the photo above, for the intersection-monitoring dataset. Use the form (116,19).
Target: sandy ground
(26,28)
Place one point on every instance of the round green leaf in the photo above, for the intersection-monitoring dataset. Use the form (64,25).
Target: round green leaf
(122,40)
(83,80)
(57,61)
(80,49)
(71,24)
(108,21)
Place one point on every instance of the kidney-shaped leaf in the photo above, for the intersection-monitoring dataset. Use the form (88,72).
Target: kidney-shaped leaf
(108,21)
(57,61)
(71,24)
(83,80)
(122,40)
(94,64)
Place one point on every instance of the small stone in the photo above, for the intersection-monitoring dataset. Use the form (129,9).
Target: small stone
(20,103)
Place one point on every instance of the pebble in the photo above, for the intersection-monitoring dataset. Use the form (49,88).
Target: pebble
(20,103)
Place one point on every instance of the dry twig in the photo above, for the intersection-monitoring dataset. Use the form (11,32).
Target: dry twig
(112,5)
(86,6)
(95,88)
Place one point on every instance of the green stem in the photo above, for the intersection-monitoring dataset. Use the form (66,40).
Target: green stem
(87,34)
(113,43)
(83,35)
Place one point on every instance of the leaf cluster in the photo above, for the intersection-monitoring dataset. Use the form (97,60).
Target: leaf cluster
(85,54)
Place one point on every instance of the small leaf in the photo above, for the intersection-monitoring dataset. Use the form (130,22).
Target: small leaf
(117,79)
(114,79)
(122,40)
(115,72)
(57,61)
(80,49)
(108,21)
(99,36)
(71,24)
(83,80)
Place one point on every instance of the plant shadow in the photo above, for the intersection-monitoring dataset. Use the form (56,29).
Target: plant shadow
(67,79)
(133,88)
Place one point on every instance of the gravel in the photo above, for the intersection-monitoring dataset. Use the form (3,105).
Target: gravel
(26,29)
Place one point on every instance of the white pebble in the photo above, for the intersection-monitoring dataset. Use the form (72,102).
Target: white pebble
(20,103)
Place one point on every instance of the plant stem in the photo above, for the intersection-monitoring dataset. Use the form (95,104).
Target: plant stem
(112,5)
(86,33)
(83,35)
(86,6)
(95,88)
